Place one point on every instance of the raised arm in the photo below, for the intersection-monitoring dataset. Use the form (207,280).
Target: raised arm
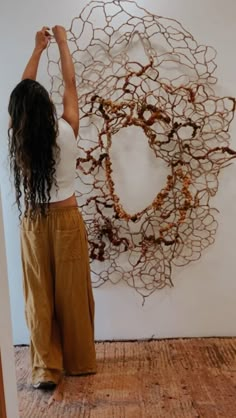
(70,98)
(41,41)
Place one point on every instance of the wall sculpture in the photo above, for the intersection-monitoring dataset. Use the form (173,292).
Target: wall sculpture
(168,91)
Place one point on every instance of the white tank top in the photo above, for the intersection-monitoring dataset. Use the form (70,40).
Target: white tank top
(65,163)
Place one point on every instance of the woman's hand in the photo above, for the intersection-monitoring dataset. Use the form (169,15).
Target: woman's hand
(59,33)
(41,41)
(42,38)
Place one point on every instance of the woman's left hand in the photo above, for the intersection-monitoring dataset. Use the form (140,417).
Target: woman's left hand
(42,38)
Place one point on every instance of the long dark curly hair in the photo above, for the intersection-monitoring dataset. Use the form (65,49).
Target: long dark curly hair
(32,145)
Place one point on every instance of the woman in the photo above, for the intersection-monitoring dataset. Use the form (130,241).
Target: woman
(59,302)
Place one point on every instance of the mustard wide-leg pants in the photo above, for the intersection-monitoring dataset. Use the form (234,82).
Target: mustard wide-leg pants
(59,304)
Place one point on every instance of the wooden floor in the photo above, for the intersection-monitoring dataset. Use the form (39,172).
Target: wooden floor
(171,379)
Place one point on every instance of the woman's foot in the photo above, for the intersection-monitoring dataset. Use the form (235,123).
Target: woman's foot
(45,379)
(44,385)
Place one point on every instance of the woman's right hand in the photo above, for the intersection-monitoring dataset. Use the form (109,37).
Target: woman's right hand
(59,33)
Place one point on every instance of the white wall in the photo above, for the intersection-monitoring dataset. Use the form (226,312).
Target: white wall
(202,303)
(6,348)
